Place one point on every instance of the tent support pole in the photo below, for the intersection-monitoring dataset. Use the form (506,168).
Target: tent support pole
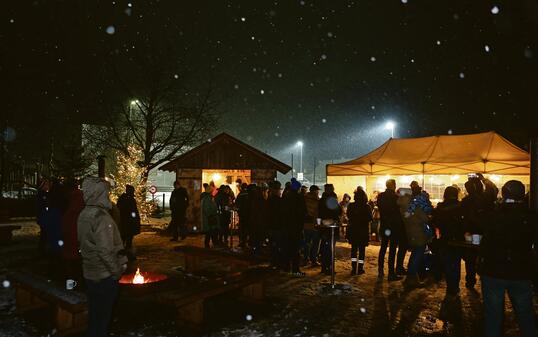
(533,200)
(423,169)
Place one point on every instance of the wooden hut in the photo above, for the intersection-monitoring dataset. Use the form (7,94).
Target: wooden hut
(223,159)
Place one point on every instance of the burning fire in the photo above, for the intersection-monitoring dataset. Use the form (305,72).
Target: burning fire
(138,278)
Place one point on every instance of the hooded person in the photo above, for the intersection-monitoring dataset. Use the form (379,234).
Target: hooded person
(311,235)
(101,249)
(210,218)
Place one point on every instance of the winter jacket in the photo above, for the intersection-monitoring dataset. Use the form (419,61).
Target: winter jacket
(257,214)
(274,208)
(210,219)
(311,200)
(243,206)
(389,213)
(506,250)
(294,212)
(415,224)
(129,216)
(475,206)
(448,219)
(69,225)
(324,212)
(179,201)
(358,230)
(98,235)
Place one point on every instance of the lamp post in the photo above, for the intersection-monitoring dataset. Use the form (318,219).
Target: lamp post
(390,126)
(300,145)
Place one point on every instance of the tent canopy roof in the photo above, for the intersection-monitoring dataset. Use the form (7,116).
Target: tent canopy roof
(482,152)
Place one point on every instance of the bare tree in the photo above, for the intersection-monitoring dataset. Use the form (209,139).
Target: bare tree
(158,101)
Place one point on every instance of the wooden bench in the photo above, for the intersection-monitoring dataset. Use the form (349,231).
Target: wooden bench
(6,232)
(32,292)
(194,257)
(189,303)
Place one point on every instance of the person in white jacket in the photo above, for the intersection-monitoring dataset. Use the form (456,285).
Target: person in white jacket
(101,247)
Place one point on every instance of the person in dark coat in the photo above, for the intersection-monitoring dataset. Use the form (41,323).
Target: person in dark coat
(257,218)
(70,254)
(391,232)
(224,203)
(447,221)
(477,202)
(359,214)
(294,213)
(329,211)
(311,235)
(243,207)
(179,202)
(507,256)
(129,217)
(275,225)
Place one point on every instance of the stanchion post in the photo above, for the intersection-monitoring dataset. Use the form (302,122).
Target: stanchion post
(332,256)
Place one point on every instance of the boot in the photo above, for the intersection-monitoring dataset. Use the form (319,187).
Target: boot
(353,268)
(412,282)
(361,271)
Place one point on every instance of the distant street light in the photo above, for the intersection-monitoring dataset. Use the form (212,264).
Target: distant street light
(390,126)
(300,144)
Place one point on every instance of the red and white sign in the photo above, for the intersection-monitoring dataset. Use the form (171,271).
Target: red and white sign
(153,189)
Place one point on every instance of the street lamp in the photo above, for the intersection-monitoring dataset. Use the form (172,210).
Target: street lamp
(390,126)
(300,144)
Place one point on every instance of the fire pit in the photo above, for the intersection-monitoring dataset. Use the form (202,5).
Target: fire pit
(142,278)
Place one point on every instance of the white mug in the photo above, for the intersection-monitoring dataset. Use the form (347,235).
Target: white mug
(476,239)
(70,284)
(318,221)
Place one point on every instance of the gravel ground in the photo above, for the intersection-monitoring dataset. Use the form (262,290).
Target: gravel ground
(359,306)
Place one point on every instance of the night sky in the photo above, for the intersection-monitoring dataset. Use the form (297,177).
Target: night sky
(329,73)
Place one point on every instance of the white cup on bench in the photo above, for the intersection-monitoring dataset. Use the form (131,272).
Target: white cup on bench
(70,284)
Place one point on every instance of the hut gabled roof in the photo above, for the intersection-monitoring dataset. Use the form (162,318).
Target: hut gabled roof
(227,153)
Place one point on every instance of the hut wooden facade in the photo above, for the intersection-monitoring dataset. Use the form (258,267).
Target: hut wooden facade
(223,159)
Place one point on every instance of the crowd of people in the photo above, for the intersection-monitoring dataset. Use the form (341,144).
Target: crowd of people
(295,224)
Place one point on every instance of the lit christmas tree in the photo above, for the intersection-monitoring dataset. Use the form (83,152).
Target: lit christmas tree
(129,172)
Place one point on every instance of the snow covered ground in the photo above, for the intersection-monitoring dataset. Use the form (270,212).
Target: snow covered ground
(360,306)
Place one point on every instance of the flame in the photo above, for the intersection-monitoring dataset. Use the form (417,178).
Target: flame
(138,278)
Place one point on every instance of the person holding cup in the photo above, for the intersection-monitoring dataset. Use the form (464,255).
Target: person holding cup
(507,252)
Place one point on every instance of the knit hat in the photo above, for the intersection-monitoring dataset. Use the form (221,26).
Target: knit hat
(295,185)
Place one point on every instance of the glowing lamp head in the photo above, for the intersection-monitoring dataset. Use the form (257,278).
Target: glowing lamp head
(300,143)
(134,102)
(390,126)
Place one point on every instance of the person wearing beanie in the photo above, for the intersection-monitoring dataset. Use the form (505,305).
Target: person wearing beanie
(507,259)
(294,212)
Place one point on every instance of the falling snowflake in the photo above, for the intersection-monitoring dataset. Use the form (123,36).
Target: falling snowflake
(373,59)
(363,310)
(11,21)
(60,243)
(194,228)
(387,232)
(329,34)
(6,284)
(176,76)
(129,5)
(262,92)
(236,86)
(252,38)
(276,134)
(462,75)
(450,131)
(486,48)
(495,10)
(133,215)
(110,30)
(372,107)
(528,53)
(438,42)
(404,1)
(243,19)
(248,317)
(279,75)
(302,3)
(324,120)
(323,57)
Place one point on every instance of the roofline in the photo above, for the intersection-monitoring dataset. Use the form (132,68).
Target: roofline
(282,168)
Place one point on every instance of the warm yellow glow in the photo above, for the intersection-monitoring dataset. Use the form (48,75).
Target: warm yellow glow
(138,278)
(454,177)
(495,178)
(216,177)
(406,179)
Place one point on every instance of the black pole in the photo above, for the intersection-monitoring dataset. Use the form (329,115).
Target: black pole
(101,166)
(533,198)
(292,165)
